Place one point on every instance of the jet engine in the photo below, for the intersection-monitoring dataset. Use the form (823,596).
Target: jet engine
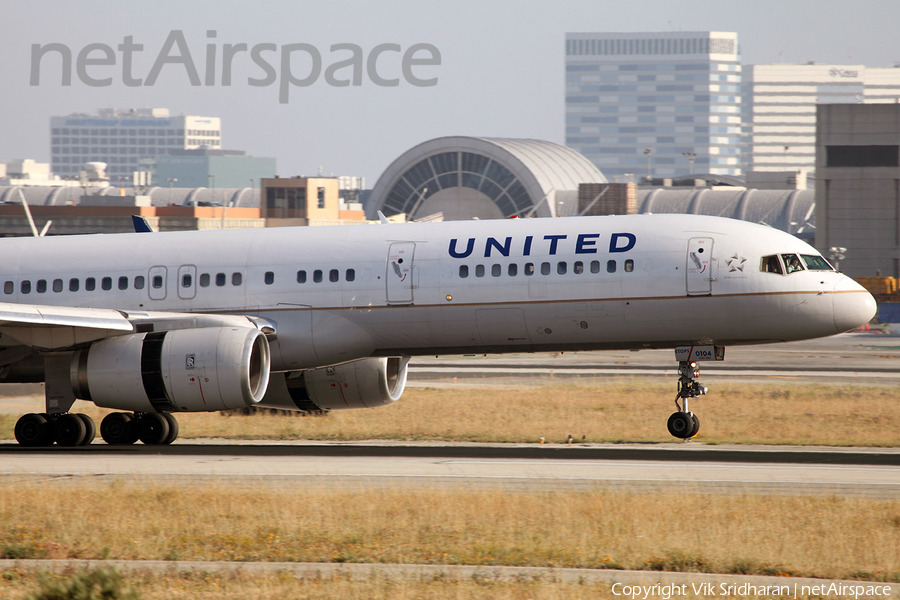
(195,370)
(365,383)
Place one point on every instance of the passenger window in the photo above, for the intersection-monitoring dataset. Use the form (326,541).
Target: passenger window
(513,270)
(629,266)
(139,282)
(9,287)
(545,268)
(42,285)
(333,276)
(237,279)
(529,269)
(157,282)
(463,271)
(26,287)
(561,268)
(57,285)
(105,283)
(595,266)
(204,280)
(220,279)
(186,280)
(270,278)
(610,266)
(123,283)
(90,284)
(317,276)
(496,270)
(578,268)
(816,263)
(791,263)
(479,270)
(301,276)
(350,275)
(73,285)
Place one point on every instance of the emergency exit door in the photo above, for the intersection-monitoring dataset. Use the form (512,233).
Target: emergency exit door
(400,273)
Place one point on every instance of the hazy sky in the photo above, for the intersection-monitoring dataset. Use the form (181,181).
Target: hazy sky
(501,71)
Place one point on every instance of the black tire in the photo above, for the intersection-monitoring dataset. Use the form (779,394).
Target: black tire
(33,430)
(153,428)
(680,425)
(69,430)
(173,428)
(90,429)
(118,428)
(696,427)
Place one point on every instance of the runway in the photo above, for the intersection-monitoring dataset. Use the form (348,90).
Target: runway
(696,468)
(870,358)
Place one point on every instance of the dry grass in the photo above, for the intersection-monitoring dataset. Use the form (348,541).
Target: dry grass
(619,410)
(809,536)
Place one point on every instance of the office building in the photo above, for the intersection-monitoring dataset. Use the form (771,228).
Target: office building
(120,138)
(662,104)
(205,167)
(779,108)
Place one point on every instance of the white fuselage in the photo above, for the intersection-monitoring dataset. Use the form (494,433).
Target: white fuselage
(343,293)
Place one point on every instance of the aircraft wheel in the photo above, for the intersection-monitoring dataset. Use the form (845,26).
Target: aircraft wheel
(153,428)
(90,429)
(118,428)
(696,427)
(681,424)
(173,428)
(33,430)
(69,430)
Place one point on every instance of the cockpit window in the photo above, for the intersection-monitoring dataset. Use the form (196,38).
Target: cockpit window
(771,264)
(792,263)
(816,263)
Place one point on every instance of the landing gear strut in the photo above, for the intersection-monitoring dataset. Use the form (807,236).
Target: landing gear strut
(684,424)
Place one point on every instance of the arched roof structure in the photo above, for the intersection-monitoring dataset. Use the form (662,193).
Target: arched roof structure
(466,177)
(792,211)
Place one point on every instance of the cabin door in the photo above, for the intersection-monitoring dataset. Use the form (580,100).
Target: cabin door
(700,267)
(400,274)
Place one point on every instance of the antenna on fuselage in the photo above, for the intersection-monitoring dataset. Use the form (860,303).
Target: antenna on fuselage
(382,218)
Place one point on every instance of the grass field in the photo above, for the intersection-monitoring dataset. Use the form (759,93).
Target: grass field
(828,537)
(616,410)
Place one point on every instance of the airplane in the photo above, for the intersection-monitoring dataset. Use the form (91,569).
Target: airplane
(327,318)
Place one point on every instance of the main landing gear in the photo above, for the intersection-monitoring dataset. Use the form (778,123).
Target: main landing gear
(69,429)
(684,424)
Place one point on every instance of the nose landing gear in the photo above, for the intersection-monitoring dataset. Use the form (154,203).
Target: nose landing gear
(684,424)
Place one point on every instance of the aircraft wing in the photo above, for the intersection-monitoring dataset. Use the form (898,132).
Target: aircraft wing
(61,327)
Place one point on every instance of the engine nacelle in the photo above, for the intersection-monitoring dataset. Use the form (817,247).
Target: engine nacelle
(195,370)
(365,383)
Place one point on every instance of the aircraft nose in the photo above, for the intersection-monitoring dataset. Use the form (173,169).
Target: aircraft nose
(853,305)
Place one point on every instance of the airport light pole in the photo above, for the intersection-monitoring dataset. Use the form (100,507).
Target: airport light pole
(690,156)
(649,154)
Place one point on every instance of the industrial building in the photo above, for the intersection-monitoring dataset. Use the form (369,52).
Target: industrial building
(120,137)
(655,103)
(858,187)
